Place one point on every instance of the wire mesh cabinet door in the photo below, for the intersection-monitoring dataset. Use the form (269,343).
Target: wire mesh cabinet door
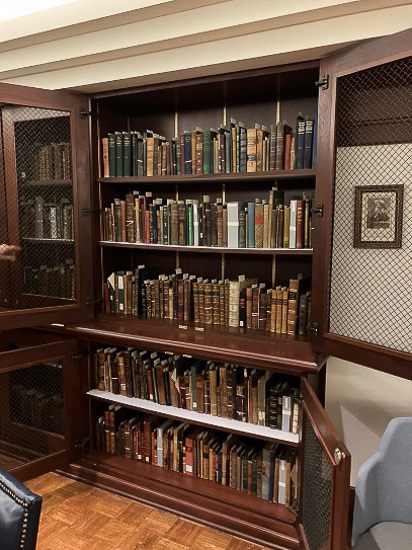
(40,420)
(45,241)
(363,242)
(325,470)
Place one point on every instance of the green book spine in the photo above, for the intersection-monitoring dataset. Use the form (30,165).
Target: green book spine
(206,152)
(119,154)
(127,154)
(112,155)
(134,153)
(190,224)
(178,159)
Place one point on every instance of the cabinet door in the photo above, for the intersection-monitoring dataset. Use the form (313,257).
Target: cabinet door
(363,242)
(45,240)
(40,417)
(325,471)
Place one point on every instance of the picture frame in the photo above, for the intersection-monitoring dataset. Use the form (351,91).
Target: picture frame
(378,216)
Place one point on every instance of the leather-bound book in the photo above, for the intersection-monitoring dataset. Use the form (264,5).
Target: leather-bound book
(269,308)
(242,227)
(223,393)
(182,154)
(196,311)
(259,149)
(208,306)
(150,423)
(295,411)
(255,306)
(127,154)
(288,143)
(199,150)
(150,155)
(306,222)
(251,225)
(112,154)
(300,141)
(307,155)
(251,149)
(182,223)
(225,225)
(230,391)
(213,223)
(258,224)
(219,222)
(279,294)
(180,299)
(286,226)
(299,224)
(158,369)
(187,298)
(174,223)
(121,372)
(213,389)
(280,144)
(128,374)
(200,392)
(201,300)
(190,445)
(273,312)
(249,292)
(293,299)
(130,234)
(265,224)
(222,311)
(215,302)
(302,317)
(101,358)
(206,152)
(285,295)
(105,157)
(187,137)
(242,148)
(119,153)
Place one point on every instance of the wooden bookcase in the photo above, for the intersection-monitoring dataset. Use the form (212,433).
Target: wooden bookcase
(77,329)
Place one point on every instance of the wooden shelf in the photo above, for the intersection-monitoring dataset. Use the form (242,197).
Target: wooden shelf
(48,241)
(225,424)
(211,249)
(259,348)
(278,175)
(202,500)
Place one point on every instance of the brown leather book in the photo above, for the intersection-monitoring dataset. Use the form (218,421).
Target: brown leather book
(105,154)
(174,223)
(121,372)
(187,298)
(266,225)
(293,298)
(208,307)
(249,292)
(182,223)
(100,366)
(150,144)
(199,151)
(251,150)
(223,390)
(180,299)
(269,308)
(200,391)
(225,225)
(279,295)
(273,308)
(255,306)
(201,299)
(219,222)
(128,373)
(160,383)
(288,140)
(259,150)
(196,311)
(285,294)
(229,392)
(213,389)
(262,309)
(123,220)
(258,224)
(222,302)
(215,302)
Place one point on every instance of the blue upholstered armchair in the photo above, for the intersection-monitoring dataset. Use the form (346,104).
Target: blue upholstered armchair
(19,514)
(382,518)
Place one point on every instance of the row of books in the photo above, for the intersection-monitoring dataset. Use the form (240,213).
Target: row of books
(266,223)
(52,162)
(268,471)
(56,280)
(46,220)
(234,303)
(228,391)
(37,409)
(225,150)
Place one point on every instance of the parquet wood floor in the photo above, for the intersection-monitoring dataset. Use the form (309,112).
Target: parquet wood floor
(76,516)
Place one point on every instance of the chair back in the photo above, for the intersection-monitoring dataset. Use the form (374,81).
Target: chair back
(19,514)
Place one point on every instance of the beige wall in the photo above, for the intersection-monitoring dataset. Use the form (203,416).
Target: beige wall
(360,402)
(91,45)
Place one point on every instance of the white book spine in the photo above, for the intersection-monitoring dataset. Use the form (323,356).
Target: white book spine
(292,226)
(195,224)
(233,224)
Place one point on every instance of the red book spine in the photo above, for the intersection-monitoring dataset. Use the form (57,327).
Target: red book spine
(299,224)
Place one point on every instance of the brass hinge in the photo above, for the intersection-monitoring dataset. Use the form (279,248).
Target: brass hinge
(87,211)
(90,302)
(313,329)
(323,83)
(318,210)
(84,114)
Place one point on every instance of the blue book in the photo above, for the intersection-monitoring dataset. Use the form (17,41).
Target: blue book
(188,152)
(251,224)
(315,140)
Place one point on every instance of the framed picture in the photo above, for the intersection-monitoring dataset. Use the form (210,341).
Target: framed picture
(378,216)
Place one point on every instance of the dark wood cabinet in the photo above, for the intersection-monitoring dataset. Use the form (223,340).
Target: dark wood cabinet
(352,88)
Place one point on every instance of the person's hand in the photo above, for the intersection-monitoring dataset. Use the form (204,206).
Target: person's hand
(8,252)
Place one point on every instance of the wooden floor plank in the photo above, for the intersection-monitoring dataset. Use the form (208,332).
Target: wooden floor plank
(76,516)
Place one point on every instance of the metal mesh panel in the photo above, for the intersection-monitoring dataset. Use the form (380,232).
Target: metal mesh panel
(36,208)
(31,414)
(370,286)
(317,492)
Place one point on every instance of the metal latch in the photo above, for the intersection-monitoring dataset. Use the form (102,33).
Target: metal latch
(323,83)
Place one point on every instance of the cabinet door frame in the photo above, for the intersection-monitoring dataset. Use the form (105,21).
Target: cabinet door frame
(74,104)
(66,352)
(339,458)
(369,54)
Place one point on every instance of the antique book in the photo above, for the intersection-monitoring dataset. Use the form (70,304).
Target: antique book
(251,150)
(233,224)
(308,142)
(300,141)
(258,224)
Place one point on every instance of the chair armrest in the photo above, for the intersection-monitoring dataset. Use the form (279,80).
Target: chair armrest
(366,512)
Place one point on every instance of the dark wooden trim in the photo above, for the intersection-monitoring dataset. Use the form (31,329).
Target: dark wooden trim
(41,466)
(27,357)
(302,537)
(210,249)
(375,357)
(249,73)
(208,503)
(278,175)
(259,348)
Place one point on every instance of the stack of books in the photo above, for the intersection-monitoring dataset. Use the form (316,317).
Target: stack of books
(224,150)
(265,470)
(46,220)
(228,391)
(233,303)
(266,223)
